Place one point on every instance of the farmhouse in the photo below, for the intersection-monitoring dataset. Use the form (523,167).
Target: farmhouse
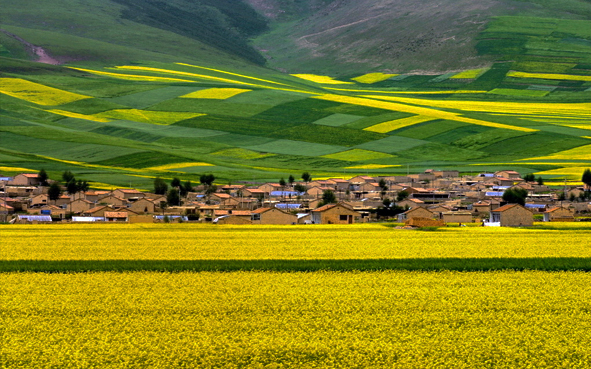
(559,214)
(272,216)
(25,179)
(512,215)
(116,216)
(417,212)
(457,217)
(335,214)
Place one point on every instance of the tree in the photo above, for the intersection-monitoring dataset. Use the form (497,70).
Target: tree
(540,181)
(291,180)
(160,187)
(43,177)
(211,189)
(586,178)
(328,197)
(186,188)
(67,176)
(282,182)
(401,195)
(72,187)
(299,187)
(515,196)
(529,177)
(306,177)
(173,198)
(207,179)
(175,183)
(55,191)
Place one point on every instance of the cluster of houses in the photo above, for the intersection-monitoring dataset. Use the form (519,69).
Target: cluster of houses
(431,198)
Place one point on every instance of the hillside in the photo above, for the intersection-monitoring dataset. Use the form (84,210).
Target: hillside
(342,37)
(141,93)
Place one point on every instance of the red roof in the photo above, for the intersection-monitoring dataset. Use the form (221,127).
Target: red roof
(505,207)
(324,208)
(116,214)
(31,175)
(260,210)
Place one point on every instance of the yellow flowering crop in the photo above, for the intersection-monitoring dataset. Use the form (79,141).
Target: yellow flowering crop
(398,123)
(215,93)
(147,116)
(403,107)
(578,153)
(77,115)
(37,93)
(554,76)
(469,74)
(232,74)
(132,77)
(372,166)
(296,320)
(373,77)
(321,79)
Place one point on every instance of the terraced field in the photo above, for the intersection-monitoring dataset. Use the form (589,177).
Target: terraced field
(94,121)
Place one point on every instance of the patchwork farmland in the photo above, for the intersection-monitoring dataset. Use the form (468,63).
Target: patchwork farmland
(125,124)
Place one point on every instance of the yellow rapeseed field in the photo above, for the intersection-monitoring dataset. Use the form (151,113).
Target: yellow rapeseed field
(469,74)
(578,153)
(216,93)
(204,242)
(180,166)
(325,80)
(37,93)
(296,320)
(69,114)
(147,116)
(132,77)
(553,76)
(398,123)
(374,77)
(358,155)
(372,101)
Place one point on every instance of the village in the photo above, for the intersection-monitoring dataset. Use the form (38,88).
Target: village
(433,198)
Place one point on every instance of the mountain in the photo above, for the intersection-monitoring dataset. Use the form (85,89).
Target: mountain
(141,89)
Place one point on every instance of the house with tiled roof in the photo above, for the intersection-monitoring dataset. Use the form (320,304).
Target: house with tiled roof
(511,215)
(25,179)
(417,212)
(335,214)
(116,216)
(559,214)
(272,216)
(128,193)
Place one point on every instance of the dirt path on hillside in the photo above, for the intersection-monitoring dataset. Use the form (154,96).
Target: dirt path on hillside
(42,55)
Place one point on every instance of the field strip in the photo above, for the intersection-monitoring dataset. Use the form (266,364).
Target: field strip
(578,153)
(435,114)
(179,166)
(132,77)
(410,92)
(398,123)
(566,109)
(215,93)
(321,79)
(179,73)
(37,93)
(552,76)
(373,77)
(232,74)
(78,116)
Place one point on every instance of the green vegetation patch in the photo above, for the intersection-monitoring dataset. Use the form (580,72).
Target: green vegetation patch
(142,160)
(458,133)
(297,148)
(358,155)
(439,152)
(376,119)
(129,134)
(239,153)
(425,130)
(337,120)
(327,135)
(249,126)
(486,138)
(267,97)
(301,111)
(207,106)
(90,106)
(392,144)
(145,99)
(514,92)
(538,144)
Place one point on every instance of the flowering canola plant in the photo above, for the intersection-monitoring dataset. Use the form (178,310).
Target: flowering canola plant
(37,93)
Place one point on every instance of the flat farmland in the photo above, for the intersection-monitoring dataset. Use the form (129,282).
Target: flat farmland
(295,296)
